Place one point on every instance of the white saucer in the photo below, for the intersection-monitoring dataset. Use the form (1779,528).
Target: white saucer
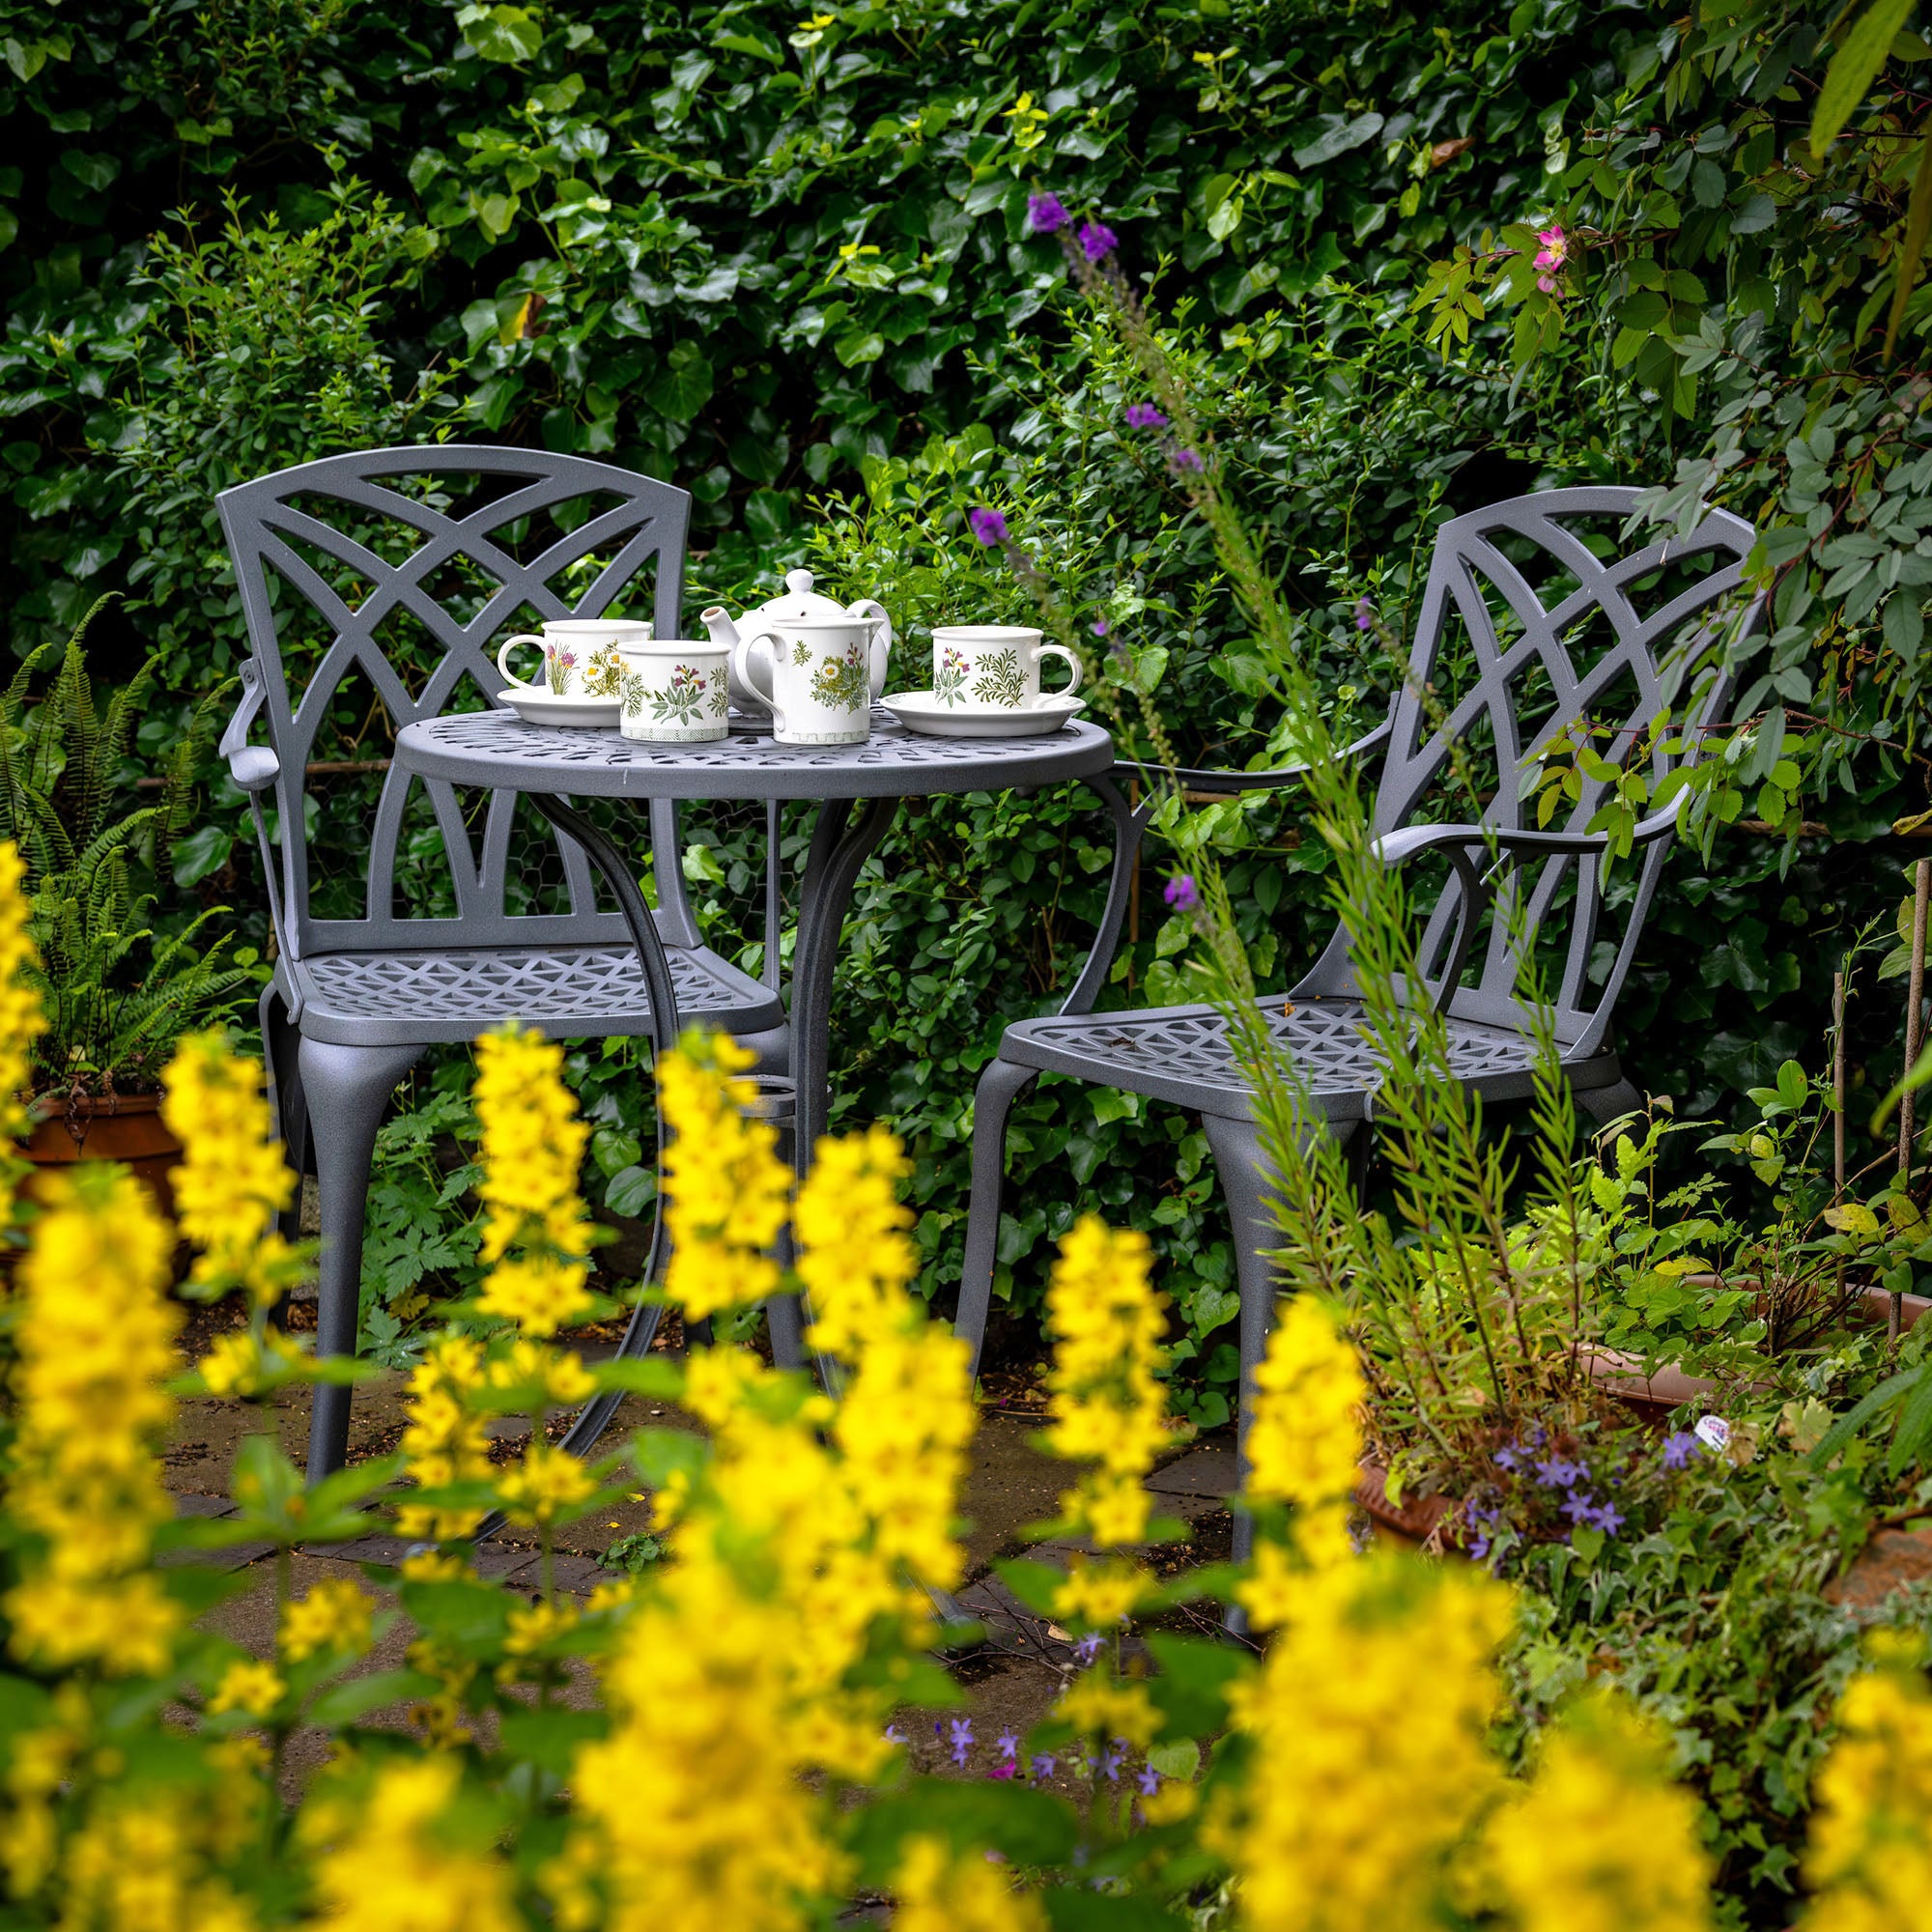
(546,707)
(920,711)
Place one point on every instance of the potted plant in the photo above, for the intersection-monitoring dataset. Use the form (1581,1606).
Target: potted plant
(116,989)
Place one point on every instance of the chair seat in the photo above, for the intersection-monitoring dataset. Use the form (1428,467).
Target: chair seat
(1182,1054)
(403,998)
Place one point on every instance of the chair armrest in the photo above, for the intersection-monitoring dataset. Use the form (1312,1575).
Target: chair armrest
(254,768)
(1231,784)
(1395,849)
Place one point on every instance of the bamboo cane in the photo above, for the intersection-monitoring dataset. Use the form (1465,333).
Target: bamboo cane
(1915,999)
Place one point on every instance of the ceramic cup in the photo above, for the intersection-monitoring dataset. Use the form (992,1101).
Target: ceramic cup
(983,667)
(580,655)
(819,675)
(674,692)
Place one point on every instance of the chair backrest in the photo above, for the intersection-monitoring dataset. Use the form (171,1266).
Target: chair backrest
(1534,624)
(375,588)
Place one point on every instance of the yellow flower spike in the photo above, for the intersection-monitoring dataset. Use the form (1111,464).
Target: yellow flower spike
(548,1484)
(856,1255)
(233,1181)
(337,1616)
(728,1193)
(89,1406)
(941,1891)
(1601,1839)
(531,1148)
(21,1020)
(1869,1861)
(1368,1770)
(248,1686)
(444,1442)
(1098,1596)
(1108,1404)
(1305,1436)
(403,1866)
(1096,1705)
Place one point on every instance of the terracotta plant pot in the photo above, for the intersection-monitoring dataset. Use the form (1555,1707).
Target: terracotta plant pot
(1411,1523)
(127,1128)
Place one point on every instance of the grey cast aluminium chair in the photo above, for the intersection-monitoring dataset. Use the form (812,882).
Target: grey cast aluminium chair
(1522,632)
(375,587)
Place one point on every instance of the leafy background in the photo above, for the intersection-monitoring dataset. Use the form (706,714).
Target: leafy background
(781,259)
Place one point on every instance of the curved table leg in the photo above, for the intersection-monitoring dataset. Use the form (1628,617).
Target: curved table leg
(642,1326)
(840,846)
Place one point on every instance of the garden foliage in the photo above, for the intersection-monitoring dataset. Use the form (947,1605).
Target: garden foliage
(783,260)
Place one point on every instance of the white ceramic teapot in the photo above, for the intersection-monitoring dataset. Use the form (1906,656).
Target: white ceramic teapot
(800,603)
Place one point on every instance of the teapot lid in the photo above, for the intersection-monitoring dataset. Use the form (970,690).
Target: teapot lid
(801,602)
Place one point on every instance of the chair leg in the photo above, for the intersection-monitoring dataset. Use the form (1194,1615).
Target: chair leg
(281,1065)
(1605,1104)
(1000,1086)
(348,1089)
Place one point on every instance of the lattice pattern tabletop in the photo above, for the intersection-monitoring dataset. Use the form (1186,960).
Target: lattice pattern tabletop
(498,749)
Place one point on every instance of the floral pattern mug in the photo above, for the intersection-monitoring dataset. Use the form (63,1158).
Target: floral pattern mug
(819,675)
(983,667)
(674,692)
(580,655)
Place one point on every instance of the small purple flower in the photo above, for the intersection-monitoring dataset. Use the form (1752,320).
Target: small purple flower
(1365,614)
(1046,214)
(1007,1744)
(1088,1648)
(1608,1519)
(962,1738)
(1099,627)
(1579,1507)
(893,1735)
(1183,894)
(988,525)
(1098,241)
(1679,1446)
(1149,1780)
(1042,1765)
(1144,416)
(1508,1457)
(1110,1766)
(1186,459)
(1558,1474)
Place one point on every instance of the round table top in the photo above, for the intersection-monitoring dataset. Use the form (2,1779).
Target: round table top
(497,747)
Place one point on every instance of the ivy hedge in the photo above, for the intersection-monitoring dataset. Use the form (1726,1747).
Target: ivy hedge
(782,259)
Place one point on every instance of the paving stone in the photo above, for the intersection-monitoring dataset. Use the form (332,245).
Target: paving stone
(578,1575)
(388,1550)
(502,1562)
(1206,1471)
(197,1505)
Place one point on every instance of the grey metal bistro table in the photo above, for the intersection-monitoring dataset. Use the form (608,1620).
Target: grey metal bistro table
(858,788)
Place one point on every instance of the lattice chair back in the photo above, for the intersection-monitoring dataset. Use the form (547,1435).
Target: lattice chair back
(377,587)
(1533,625)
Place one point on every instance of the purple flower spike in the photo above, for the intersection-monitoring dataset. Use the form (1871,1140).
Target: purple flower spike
(1679,1447)
(988,525)
(1183,894)
(962,1738)
(1098,241)
(1046,214)
(1149,1780)
(1144,416)
(1186,459)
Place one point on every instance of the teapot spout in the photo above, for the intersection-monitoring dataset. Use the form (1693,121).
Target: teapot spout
(722,632)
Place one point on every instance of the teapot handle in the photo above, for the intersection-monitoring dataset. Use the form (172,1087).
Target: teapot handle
(882,641)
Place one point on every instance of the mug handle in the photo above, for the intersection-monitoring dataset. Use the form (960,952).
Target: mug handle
(508,645)
(1072,664)
(742,661)
(881,655)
